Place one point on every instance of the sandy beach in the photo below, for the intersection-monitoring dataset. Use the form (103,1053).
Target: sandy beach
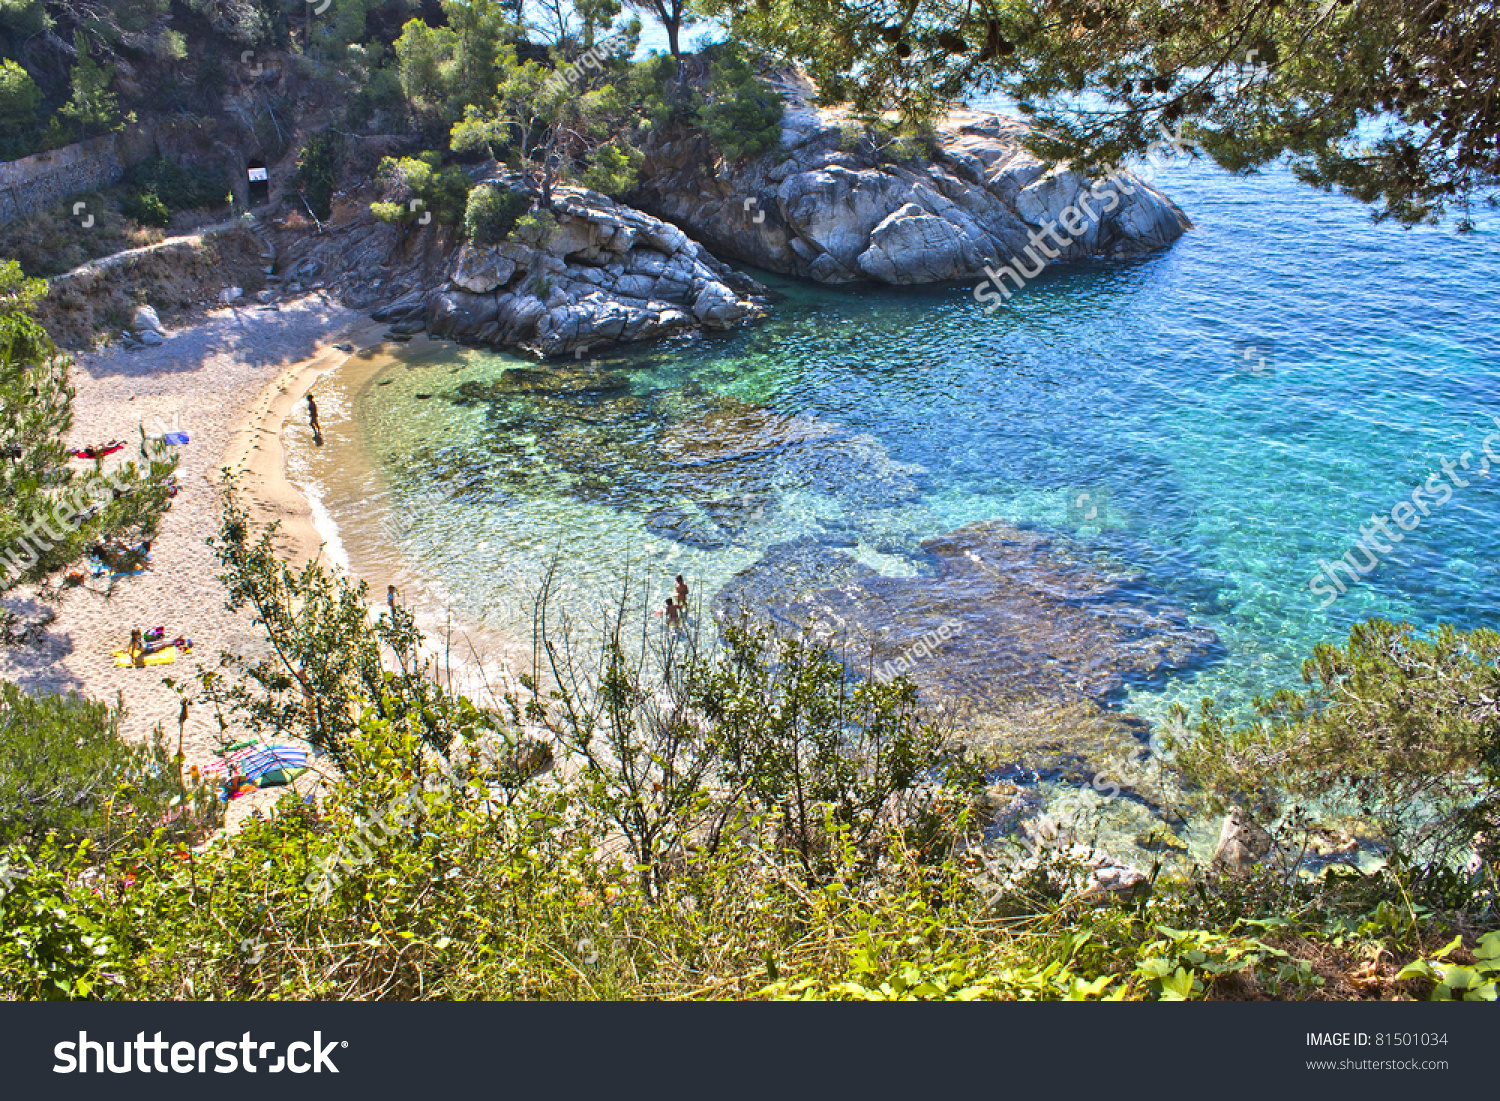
(236,383)
(230,382)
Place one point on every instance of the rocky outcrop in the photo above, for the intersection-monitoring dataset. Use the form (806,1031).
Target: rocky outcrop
(829,206)
(605,275)
(1243,843)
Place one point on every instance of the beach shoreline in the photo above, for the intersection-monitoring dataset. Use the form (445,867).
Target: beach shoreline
(229,382)
(233,382)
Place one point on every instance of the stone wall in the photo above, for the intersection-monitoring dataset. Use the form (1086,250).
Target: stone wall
(44,180)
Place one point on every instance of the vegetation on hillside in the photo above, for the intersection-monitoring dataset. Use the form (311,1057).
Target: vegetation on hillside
(670,821)
(1391,101)
(1403,118)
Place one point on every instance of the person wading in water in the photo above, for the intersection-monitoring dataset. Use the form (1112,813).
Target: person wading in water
(312,418)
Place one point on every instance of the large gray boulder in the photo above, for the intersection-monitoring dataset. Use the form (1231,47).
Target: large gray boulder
(1242,843)
(829,207)
(606,275)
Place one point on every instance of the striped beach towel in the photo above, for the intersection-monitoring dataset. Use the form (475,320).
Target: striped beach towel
(254,762)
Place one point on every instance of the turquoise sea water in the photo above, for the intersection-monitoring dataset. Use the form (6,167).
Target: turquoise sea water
(1110,402)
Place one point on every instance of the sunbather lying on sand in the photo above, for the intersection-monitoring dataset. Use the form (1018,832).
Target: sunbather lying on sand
(101,451)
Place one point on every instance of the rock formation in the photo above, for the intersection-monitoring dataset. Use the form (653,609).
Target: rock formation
(837,210)
(605,275)
(1039,644)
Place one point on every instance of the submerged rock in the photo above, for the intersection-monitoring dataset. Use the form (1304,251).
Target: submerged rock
(542,381)
(1025,643)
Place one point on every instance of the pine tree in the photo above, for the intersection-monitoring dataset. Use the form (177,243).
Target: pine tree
(93,109)
(1391,101)
(51,514)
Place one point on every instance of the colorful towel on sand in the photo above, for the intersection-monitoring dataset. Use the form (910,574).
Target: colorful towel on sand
(161,657)
(100,451)
(256,761)
(174,439)
(228,761)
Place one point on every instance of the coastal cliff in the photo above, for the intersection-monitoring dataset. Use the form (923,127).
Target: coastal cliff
(833,205)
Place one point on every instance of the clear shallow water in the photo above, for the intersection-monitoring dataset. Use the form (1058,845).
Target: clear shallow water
(1110,403)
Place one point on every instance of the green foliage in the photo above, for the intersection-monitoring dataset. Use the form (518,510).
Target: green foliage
(1395,727)
(64,769)
(1387,100)
(23,17)
(50,514)
(535,228)
(179,187)
(242,23)
(555,127)
(748,822)
(1477,982)
(418,185)
(615,170)
(146,208)
(446,70)
(323,656)
(812,751)
(92,109)
(492,213)
(318,168)
(19,99)
(652,82)
(741,116)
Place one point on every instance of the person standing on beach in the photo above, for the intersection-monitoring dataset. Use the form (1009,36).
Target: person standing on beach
(312,418)
(390,597)
(672,617)
(682,593)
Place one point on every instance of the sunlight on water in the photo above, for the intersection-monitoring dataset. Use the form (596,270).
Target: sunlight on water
(1112,406)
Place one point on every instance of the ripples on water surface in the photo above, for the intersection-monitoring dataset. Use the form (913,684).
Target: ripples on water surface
(1224,486)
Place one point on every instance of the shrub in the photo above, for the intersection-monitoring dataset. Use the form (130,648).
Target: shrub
(492,213)
(178,187)
(19,99)
(146,208)
(742,116)
(64,768)
(535,229)
(1397,728)
(444,192)
(318,168)
(615,170)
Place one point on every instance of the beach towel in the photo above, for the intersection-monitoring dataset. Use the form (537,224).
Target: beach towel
(174,439)
(99,568)
(280,777)
(99,452)
(229,761)
(161,657)
(265,759)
